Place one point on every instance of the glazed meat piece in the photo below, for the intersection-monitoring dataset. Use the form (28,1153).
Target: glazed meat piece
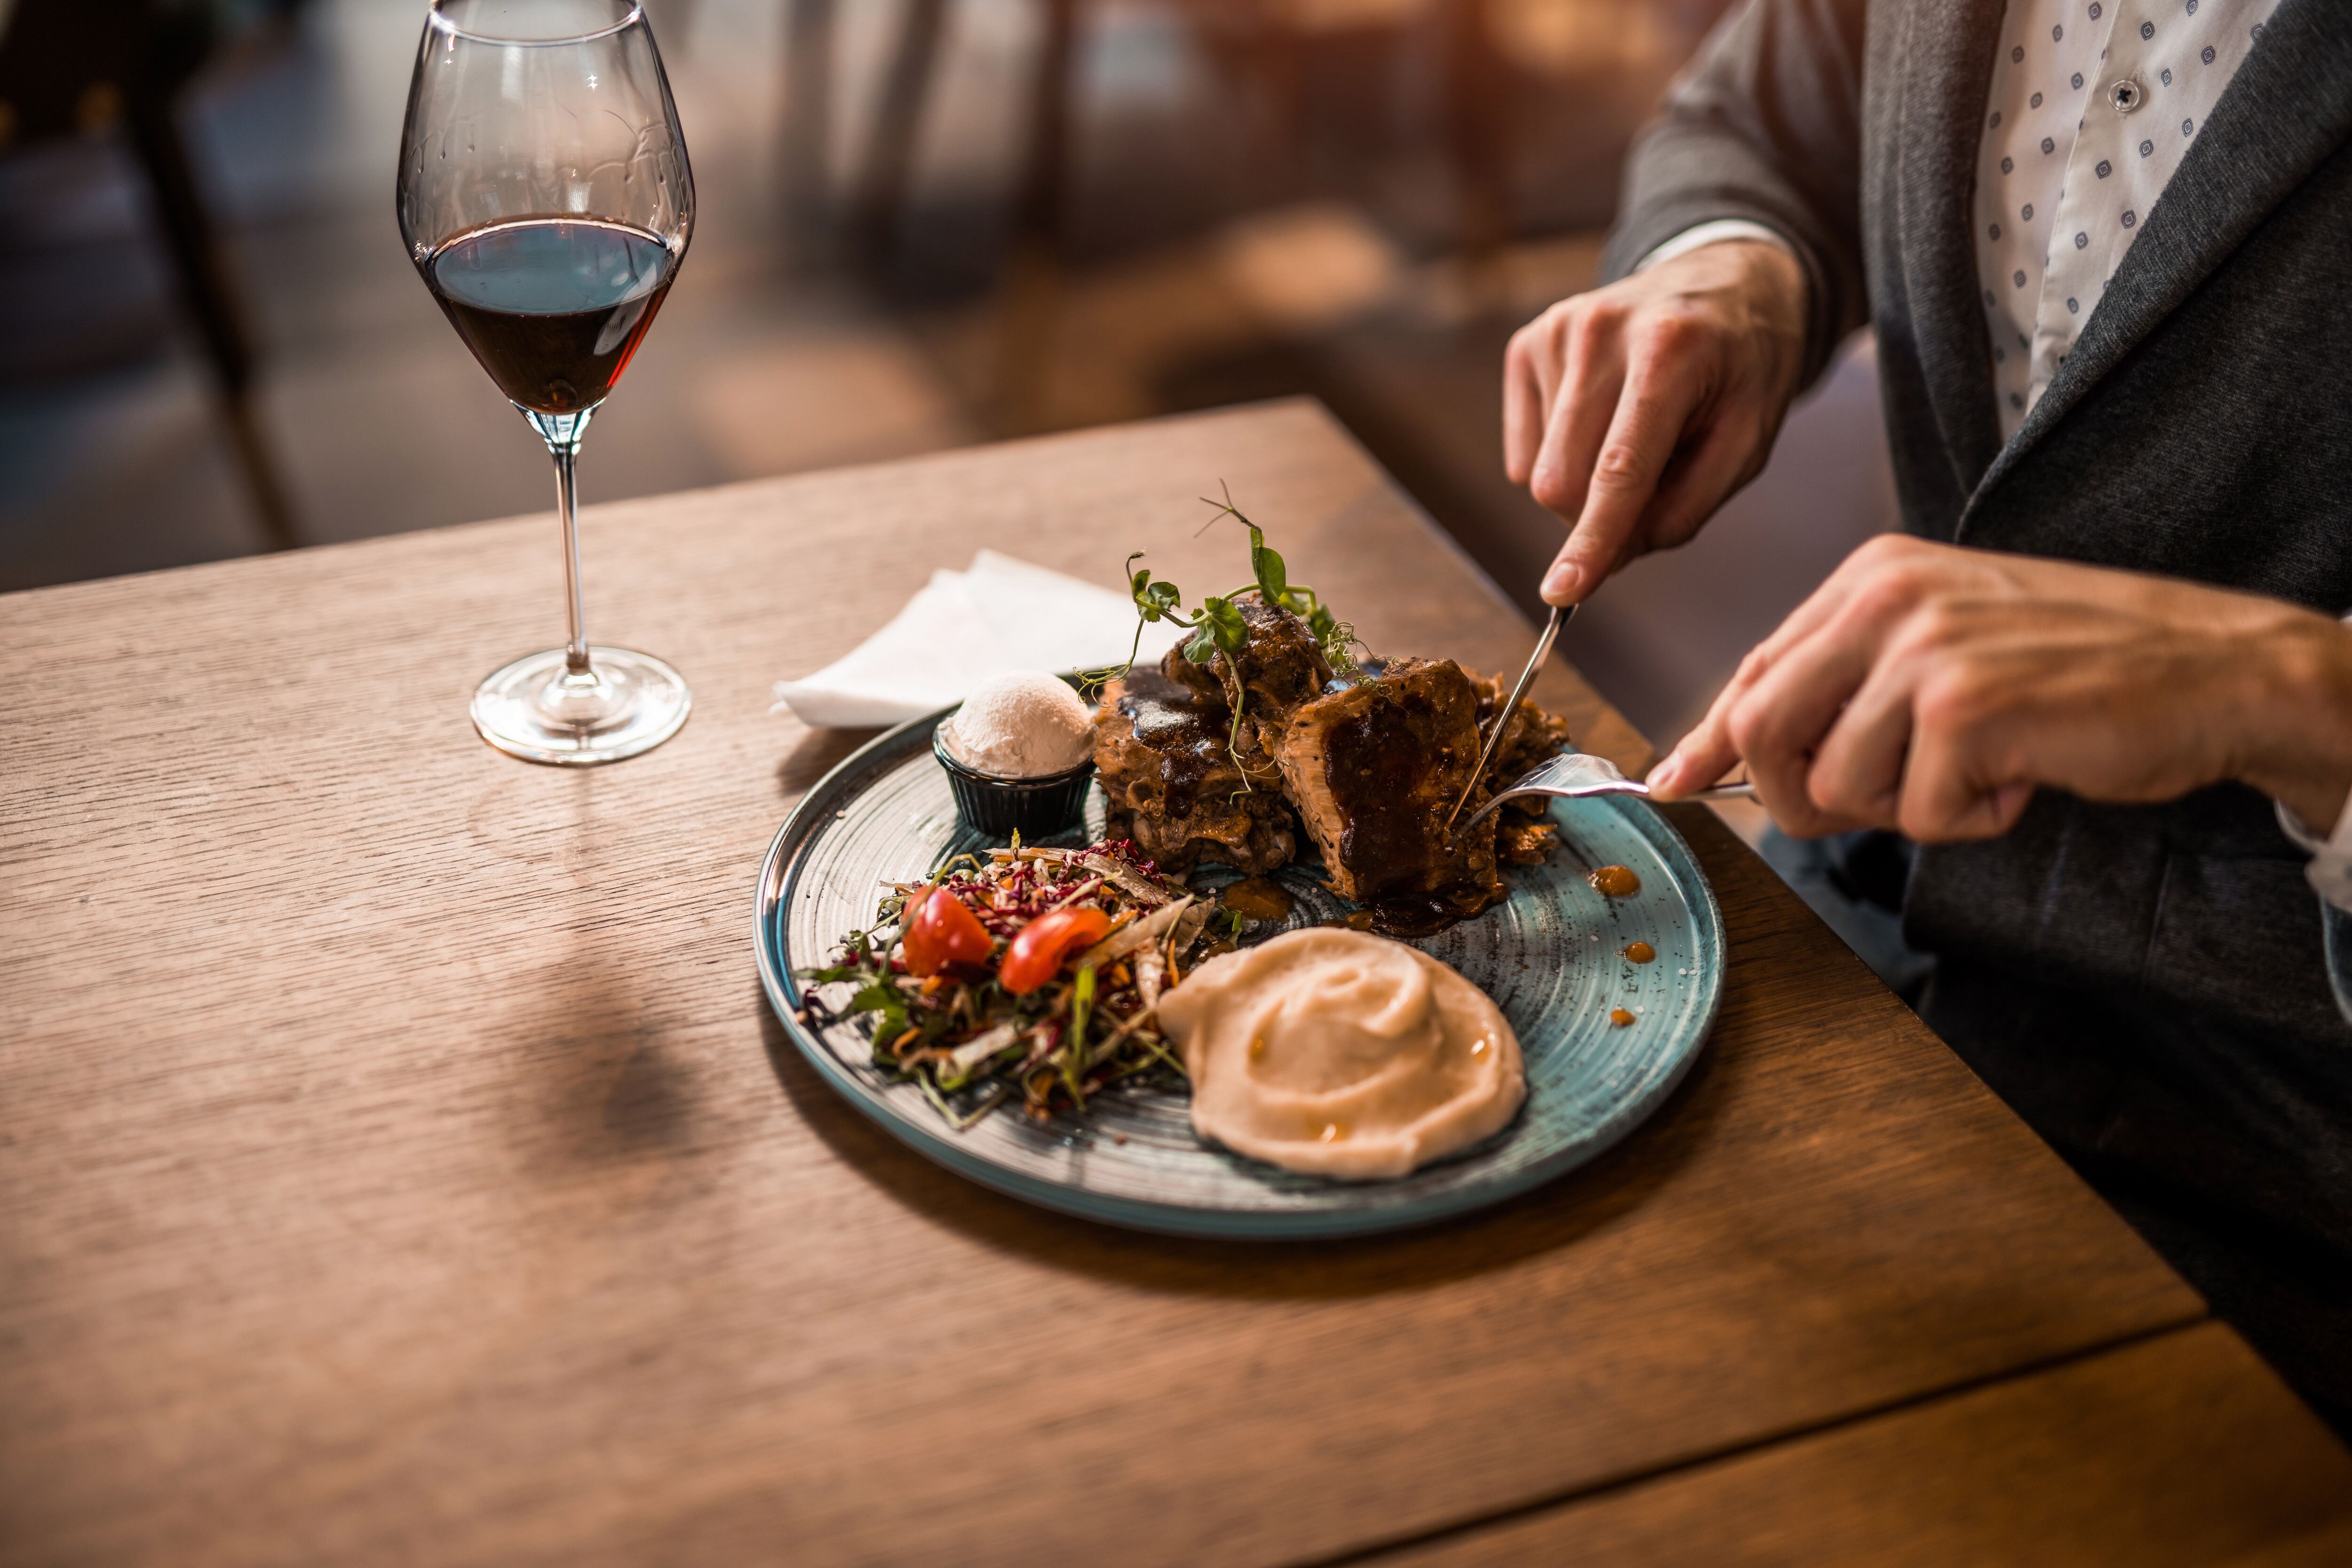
(1375,768)
(1281,666)
(1522,835)
(1533,736)
(1172,785)
(1199,680)
(1521,839)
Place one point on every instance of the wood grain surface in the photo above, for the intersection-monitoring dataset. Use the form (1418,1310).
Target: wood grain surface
(2181,1451)
(398,1163)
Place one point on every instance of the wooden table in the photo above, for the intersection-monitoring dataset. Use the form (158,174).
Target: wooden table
(398,1163)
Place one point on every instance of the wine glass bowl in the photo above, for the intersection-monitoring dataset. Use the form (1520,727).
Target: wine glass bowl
(552,307)
(547,201)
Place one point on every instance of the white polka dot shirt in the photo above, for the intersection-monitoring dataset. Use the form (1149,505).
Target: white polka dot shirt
(2093,104)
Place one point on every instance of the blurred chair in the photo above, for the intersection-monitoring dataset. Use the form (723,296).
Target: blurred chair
(804,158)
(87,67)
(1542,100)
(1261,40)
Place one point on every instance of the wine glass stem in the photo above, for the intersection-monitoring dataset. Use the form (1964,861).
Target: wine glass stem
(575,651)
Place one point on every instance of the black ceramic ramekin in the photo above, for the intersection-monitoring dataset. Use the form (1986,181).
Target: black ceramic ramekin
(1034,808)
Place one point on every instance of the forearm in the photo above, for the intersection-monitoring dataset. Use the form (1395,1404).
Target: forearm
(2280,683)
(2272,682)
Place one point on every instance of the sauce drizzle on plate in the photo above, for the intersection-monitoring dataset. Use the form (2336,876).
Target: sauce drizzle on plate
(1615,881)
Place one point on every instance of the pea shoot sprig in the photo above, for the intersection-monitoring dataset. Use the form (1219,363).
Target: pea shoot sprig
(1217,625)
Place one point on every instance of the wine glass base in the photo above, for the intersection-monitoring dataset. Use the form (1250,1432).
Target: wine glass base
(536,710)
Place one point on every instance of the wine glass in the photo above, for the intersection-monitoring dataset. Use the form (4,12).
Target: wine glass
(545,198)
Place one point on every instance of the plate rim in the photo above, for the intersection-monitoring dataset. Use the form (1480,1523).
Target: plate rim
(941,1147)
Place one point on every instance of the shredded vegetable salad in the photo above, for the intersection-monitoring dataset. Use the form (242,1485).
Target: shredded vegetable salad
(1035,974)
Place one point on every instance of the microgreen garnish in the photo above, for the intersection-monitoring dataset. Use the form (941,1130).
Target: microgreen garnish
(1217,625)
(1274,586)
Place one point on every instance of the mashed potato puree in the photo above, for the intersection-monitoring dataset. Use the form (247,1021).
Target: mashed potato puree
(1342,1054)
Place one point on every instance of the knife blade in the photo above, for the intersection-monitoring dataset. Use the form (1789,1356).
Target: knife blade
(1559,617)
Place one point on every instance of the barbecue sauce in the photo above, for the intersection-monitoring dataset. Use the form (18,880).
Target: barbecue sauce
(1427,914)
(1256,899)
(1394,770)
(1616,881)
(1407,915)
(1175,723)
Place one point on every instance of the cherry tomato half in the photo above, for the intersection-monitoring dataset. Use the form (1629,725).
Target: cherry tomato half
(942,934)
(1037,954)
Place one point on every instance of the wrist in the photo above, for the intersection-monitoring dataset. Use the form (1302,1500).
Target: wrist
(1782,297)
(2298,745)
(1760,295)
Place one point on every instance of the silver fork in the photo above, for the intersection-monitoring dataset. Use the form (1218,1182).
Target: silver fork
(1573,775)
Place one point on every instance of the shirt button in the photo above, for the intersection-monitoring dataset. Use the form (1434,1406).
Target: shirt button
(2126,95)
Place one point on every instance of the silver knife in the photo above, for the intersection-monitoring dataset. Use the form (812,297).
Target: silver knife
(1559,615)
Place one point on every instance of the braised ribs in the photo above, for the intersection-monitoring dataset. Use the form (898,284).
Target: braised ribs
(1374,769)
(1524,835)
(1367,762)
(1172,785)
(1280,666)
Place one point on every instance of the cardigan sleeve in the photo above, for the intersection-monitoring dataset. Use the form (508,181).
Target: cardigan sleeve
(1763,127)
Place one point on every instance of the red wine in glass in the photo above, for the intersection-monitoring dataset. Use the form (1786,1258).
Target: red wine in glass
(551,307)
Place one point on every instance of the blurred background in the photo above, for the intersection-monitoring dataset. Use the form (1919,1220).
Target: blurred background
(922,222)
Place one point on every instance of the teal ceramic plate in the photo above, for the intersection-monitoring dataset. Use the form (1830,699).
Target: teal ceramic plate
(1551,956)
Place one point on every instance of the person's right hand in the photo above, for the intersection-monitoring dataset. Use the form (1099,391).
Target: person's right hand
(1635,410)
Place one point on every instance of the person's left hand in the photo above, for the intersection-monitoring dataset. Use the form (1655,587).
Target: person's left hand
(1930,689)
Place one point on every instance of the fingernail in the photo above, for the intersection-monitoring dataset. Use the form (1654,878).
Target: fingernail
(1563,583)
(1666,775)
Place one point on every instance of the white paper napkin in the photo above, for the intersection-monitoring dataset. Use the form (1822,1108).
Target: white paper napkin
(998,614)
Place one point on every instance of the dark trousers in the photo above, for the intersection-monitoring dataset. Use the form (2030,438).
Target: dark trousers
(2229,1150)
